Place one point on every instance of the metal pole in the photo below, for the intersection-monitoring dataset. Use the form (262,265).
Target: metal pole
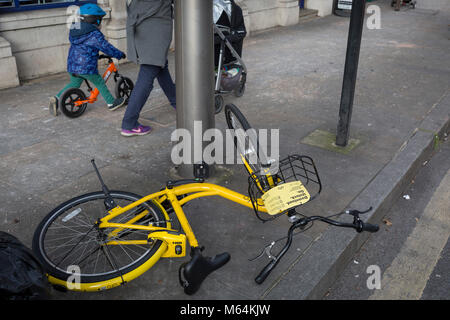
(351,70)
(194,59)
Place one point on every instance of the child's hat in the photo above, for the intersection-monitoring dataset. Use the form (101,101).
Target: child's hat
(91,9)
(92,13)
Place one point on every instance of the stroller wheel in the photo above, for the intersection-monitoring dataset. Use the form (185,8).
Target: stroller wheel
(239,91)
(218,103)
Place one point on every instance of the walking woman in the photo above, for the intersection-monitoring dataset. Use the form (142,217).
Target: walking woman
(149,34)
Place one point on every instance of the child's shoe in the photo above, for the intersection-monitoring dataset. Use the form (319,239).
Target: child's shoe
(119,102)
(140,130)
(53,106)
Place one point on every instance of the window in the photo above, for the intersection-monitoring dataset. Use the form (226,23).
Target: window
(21,5)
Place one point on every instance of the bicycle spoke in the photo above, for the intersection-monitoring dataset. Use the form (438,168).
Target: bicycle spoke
(73,237)
(75,246)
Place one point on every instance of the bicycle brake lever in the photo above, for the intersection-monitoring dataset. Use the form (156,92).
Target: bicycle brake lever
(356,213)
(266,250)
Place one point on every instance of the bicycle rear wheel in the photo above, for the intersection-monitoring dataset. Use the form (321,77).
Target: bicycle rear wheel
(67,102)
(69,237)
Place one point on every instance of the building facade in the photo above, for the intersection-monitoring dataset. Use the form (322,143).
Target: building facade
(34,33)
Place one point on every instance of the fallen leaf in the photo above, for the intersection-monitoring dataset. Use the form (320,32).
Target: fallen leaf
(387,222)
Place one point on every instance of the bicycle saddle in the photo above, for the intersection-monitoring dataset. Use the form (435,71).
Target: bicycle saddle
(196,270)
(76,75)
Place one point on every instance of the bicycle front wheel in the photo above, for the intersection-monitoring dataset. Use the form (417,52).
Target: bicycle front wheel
(124,86)
(245,138)
(72,248)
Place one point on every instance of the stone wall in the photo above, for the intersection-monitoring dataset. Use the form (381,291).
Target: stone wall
(38,40)
(8,66)
(324,7)
(35,43)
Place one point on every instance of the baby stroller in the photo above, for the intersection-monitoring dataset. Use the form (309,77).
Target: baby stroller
(229,33)
(398,3)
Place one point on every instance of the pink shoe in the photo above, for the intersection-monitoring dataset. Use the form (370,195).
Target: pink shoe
(140,130)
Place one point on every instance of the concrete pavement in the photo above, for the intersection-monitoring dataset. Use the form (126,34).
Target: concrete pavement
(408,250)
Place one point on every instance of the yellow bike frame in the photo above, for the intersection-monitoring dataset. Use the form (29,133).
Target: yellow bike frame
(177,196)
(193,191)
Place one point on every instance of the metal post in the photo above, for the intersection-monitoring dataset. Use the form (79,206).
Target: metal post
(351,70)
(194,59)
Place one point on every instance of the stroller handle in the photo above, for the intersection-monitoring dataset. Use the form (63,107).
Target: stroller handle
(220,29)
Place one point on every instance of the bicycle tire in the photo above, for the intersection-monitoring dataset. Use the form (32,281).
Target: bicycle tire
(236,120)
(124,87)
(67,99)
(63,251)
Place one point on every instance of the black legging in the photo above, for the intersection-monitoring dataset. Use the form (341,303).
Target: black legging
(142,90)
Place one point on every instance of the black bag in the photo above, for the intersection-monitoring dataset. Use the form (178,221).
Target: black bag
(21,275)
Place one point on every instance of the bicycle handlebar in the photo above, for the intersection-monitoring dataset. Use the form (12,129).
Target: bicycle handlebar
(357,224)
(265,272)
(370,227)
(104,56)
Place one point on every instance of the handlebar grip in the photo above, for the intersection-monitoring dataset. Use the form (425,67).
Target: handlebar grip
(370,227)
(265,272)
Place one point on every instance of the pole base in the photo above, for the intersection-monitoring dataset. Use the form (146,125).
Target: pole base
(217,173)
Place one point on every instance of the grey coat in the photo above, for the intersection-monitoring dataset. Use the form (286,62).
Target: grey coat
(149,31)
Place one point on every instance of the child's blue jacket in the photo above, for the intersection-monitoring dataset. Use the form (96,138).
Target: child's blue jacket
(85,44)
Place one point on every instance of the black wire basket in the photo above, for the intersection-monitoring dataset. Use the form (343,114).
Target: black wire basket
(290,169)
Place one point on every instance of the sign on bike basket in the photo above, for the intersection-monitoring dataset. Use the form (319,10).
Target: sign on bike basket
(284,197)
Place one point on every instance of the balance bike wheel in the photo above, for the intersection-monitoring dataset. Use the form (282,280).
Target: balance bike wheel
(67,102)
(124,86)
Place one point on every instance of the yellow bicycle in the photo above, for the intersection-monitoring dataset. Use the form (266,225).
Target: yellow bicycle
(104,239)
